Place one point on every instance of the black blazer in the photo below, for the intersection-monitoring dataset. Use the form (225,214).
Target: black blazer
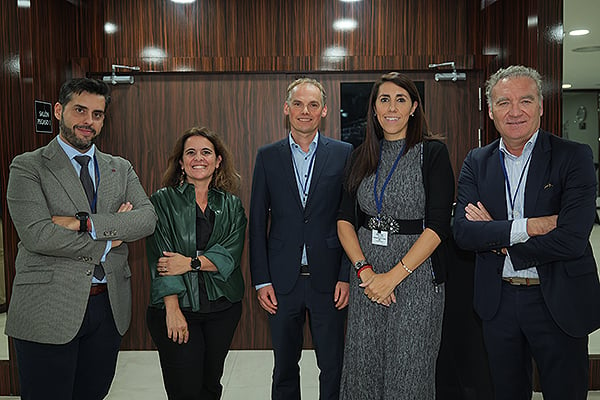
(561,180)
(279,225)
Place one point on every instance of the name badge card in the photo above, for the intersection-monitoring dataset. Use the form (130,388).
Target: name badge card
(379,238)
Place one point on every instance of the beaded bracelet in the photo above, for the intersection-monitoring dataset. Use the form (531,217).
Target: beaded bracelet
(405,267)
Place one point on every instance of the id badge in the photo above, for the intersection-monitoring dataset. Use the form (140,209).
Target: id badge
(379,238)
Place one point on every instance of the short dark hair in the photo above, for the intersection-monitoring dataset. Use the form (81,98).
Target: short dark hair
(80,85)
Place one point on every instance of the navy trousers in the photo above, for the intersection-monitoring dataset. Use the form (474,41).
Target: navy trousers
(523,328)
(327,331)
(82,369)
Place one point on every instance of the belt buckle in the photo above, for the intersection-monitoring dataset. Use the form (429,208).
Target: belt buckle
(384,223)
(304,271)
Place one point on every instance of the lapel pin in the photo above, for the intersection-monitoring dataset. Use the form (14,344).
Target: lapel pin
(548,186)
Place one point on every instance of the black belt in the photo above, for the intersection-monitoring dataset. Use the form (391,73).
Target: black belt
(396,226)
(304,271)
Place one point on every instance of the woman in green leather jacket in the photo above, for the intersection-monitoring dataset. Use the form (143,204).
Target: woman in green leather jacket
(194,257)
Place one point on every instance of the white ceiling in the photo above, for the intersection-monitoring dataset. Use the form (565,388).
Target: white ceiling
(581,69)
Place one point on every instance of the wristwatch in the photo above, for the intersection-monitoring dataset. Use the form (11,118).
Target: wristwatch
(359,264)
(195,264)
(83,217)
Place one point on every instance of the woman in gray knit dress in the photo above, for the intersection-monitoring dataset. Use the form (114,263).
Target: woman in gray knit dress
(394,216)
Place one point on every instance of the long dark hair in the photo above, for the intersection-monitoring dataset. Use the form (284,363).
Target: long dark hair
(366,157)
(225,178)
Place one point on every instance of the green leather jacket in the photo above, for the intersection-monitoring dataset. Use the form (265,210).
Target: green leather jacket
(176,232)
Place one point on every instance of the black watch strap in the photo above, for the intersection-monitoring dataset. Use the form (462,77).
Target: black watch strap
(83,217)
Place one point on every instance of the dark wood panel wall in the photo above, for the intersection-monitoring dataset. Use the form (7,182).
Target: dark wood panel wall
(247,111)
(225,64)
(528,33)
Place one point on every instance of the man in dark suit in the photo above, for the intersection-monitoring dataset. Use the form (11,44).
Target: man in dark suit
(73,207)
(295,255)
(526,205)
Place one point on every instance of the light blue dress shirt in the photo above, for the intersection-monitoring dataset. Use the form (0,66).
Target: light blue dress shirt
(71,153)
(303,163)
(517,167)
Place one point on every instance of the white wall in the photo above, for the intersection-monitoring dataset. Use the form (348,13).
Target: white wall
(588,132)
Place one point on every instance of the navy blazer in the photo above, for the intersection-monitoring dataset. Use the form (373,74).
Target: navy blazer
(561,180)
(280,226)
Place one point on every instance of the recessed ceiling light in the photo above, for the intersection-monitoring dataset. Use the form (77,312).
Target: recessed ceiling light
(579,32)
(109,28)
(566,85)
(345,24)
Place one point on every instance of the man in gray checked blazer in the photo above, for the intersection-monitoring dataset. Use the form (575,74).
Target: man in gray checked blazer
(71,297)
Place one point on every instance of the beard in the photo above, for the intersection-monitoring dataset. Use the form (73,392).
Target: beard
(78,143)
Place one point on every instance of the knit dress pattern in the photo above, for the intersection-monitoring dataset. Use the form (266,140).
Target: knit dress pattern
(390,352)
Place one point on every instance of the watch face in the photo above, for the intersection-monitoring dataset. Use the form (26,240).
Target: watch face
(195,264)
(359,264)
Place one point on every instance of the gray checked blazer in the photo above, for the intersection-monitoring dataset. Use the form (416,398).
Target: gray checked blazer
(54,265)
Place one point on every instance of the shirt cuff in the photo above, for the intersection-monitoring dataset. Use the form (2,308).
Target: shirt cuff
(92,231)
(518,231)
(262,285)
(106,250)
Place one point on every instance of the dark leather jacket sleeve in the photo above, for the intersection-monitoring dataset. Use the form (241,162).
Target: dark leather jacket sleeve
(176,232)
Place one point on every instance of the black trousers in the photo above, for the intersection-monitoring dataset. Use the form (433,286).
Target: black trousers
(82,369)
(522,328)
(327,331)
(193,370)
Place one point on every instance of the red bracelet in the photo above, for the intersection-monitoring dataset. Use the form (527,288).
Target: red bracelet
(366,266)
(89,225)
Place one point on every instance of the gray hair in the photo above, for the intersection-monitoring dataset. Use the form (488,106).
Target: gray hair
(512,72)
(302,81)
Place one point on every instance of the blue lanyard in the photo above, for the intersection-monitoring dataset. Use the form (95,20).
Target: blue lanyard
(512,199)
(379,199)
(308,174)
(97,176)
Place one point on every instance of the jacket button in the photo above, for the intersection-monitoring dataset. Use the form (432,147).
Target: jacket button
(306,221)
(88,272)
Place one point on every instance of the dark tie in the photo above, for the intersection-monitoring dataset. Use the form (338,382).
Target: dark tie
(88,186)
(86,179)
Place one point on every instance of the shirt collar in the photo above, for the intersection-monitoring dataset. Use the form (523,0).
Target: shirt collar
(527,149)
(311,147)
(71,152)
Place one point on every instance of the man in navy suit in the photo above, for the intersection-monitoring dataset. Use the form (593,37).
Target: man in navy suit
(295,255)
(526,206)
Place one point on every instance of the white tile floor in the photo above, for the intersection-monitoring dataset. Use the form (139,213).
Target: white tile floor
(247,373)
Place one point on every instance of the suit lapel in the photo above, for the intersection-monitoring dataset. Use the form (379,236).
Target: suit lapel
(321,157)
(538,169)
(60,166)
(496,189)
(289,176)
(107,184)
